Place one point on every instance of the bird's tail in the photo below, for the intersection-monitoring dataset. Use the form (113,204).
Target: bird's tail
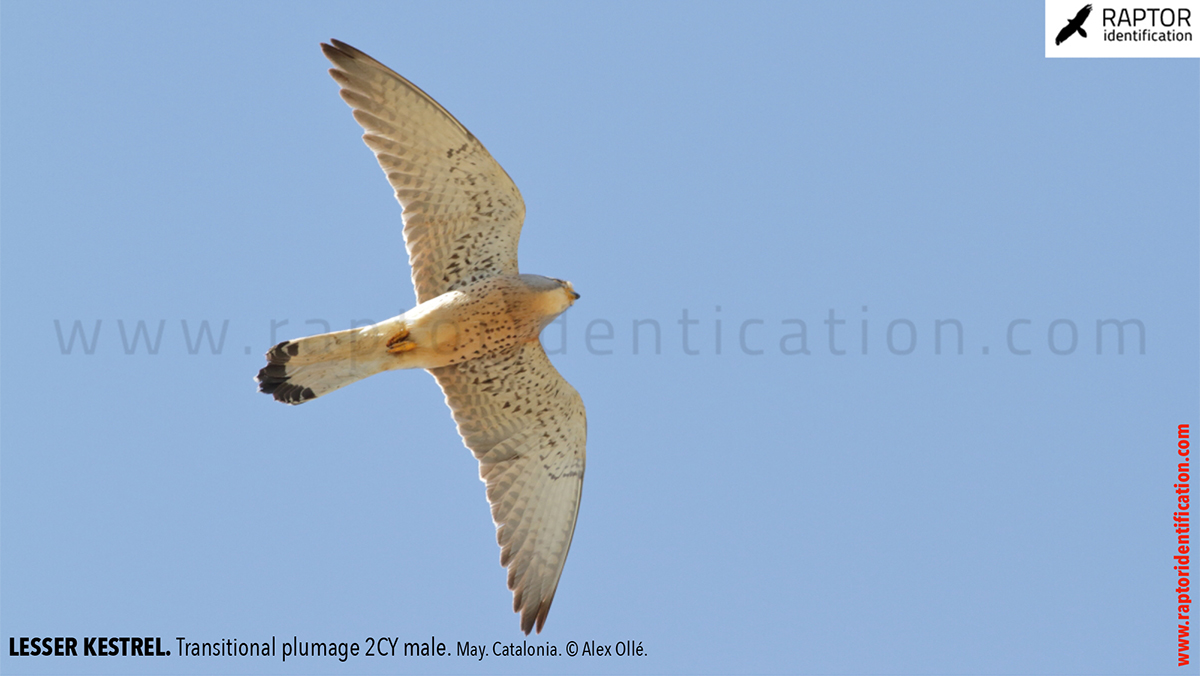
(1082,33)
(304,369)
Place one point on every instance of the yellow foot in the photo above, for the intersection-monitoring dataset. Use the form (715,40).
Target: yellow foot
(400,343)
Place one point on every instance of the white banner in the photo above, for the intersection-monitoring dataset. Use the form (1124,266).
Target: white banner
(1139,29)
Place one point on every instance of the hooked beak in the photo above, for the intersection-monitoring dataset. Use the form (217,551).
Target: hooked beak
(574,296)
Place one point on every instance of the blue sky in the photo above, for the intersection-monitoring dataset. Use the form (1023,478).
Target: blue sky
(887,510)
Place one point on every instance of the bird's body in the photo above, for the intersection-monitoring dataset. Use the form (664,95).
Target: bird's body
(1074,25)
(475,327)
(486,317)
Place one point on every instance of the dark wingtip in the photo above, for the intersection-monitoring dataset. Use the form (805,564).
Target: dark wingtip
(336,48)
(534,619)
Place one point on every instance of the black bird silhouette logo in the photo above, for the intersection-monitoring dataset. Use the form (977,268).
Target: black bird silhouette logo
(1074,25)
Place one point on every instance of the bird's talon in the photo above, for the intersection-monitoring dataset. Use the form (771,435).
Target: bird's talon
(400,343)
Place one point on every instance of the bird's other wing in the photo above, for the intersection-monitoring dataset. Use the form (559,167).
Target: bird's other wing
(1064,33)
(527,427)
(462,212)
(1082,15)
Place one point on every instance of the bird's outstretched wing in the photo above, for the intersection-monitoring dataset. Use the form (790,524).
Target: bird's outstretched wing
(462,212)
(1080,18)
(1064,33)
(528,429)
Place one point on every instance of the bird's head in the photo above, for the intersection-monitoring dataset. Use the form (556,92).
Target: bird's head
(565,293)
(554,296)
(570,289)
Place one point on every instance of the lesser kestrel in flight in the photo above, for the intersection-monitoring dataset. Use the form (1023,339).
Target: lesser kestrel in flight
(475,327)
